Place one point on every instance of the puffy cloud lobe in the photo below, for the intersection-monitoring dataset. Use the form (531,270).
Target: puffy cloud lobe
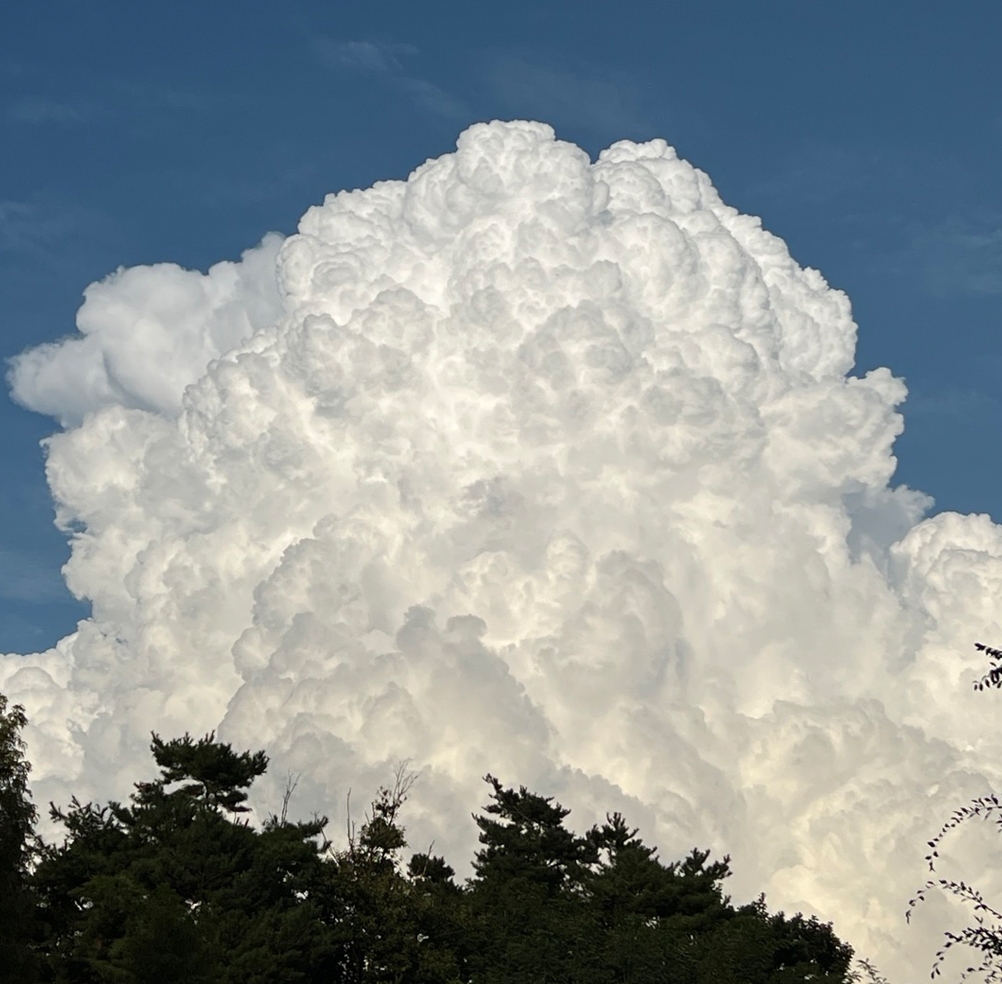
(539,466)
(148,332)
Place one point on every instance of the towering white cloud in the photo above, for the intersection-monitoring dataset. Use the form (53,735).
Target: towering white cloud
(529,465)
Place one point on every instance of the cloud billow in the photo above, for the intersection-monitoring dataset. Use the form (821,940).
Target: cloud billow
(146,333)
(532,465)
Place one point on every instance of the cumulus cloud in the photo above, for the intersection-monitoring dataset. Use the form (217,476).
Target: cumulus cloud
(533,465)
(148,332)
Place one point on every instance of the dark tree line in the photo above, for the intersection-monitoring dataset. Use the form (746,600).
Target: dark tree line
(177,886)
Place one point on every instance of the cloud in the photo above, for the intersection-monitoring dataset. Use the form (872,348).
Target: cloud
(434,99)
(45,232)
(956,256)
(40,110)
(364,56)
(952,256)
(951,401)
(961,258)
(29,228)
(530,465)
(820,174)
(146,333)
(385,62)
(607,103)
(25,578)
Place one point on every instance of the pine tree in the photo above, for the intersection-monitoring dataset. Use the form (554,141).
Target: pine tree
(176,887)
(528,918)
(17,824)
(648,914)
(548,905)
(391,926)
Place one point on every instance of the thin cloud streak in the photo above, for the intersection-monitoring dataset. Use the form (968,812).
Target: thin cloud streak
(39,110)
(385,61)
(27,578)
(33,229)
(603,102)
(961,258)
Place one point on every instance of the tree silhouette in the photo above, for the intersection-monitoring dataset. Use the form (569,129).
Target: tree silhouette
(174,887)
(17,824)
(177,887)
(984,935)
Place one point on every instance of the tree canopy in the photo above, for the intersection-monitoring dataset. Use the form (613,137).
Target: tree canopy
(177,885)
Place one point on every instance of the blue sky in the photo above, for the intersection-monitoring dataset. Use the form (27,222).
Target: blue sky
(867,135)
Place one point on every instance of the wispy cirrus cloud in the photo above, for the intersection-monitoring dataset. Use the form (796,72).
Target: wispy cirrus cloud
(364,56)
(386,62)
(818,174)
(960,257)
(953,256)
(29,228)
(39,110)
(953,402)
(27,577)
(608,102)
(893,201)
(46,233)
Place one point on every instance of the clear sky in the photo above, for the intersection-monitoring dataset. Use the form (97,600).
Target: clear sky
(865,134)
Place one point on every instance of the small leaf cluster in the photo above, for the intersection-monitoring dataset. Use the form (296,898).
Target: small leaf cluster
(993,678)
(983,937)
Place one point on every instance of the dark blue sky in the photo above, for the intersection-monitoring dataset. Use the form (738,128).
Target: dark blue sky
(868,135)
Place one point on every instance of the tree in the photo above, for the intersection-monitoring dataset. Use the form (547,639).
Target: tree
(391,925)
(549,905)
(218,776)
(984,936)
(651,915)
(673,922)
(528,920)
(754,946)
(17,825)
(176,887)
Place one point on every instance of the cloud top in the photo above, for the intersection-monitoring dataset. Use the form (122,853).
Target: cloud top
(533,465)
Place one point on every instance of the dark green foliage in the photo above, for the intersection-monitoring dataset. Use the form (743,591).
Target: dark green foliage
(389,926)
(17,824)
(176,886)
(170,887)
(219,777)
(758,948)
(527,920)
(550,906)
(652,916)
